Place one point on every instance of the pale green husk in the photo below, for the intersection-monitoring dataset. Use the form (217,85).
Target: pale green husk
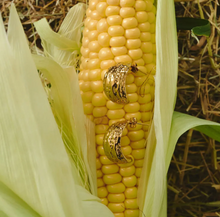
(37,178)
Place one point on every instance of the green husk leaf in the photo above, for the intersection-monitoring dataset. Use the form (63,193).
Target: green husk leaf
(167,126)
(64,95)
(63,46)
(33,161)
(199,27)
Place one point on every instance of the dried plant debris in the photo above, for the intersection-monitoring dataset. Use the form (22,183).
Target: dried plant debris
(194,174)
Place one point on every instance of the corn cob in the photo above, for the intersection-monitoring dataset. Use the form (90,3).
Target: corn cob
(119,31)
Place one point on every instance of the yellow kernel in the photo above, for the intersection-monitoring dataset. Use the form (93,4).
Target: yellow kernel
(154,9)
(116,188)
(94,46)
(88,108)
(146,47)
(138,144)
(132,107)
(98,164)
(104,160)
(97,86)
(132,97)
(139,81)
(112,106)
(127,3)
(85,63)
(139,62)
(113,2)
(85,41)
(133,43)
(144,27)
(146,107)
(88,12)
(85,32)
(154,48)
(123,59)
(151,17)
(127,12)
(152,28)
(112,10)
(95,74)
(111,179)
(98,99)
(99,139)
(136,135)
(131,88)
(106,64)
(153,38)
(116,30)
(131,212)
(101,128)
(154,59)
(139,163)
(131,193)
(100,150)
(87,96)
(141,16)
(145,36)
(85,86)
(124,132)
(135,53)
(146,126)
(99,173)
(95,15)
(87,20)
(117,41)
(101,120)
(115,121)
(110,169)
(119,214)
(138,154)
(118,51)
(100,182)
(137,127)
(85,52)
(149,6)
(131,203)
(116,198)
(104,201)
(102,192)
(140,5)
(116,207)
(99,111)
(138,172)
(125,141)
(101,7)
(127,171)
(105,54)
(132,33)
(129,79)
(102,25)
(93,55)
(129,181)
(114,20)
(126,150)
(146,116)
(103,39)
(148,58)
(115,114)
(92,4)
(144,99)
(92,25)
(129,23)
